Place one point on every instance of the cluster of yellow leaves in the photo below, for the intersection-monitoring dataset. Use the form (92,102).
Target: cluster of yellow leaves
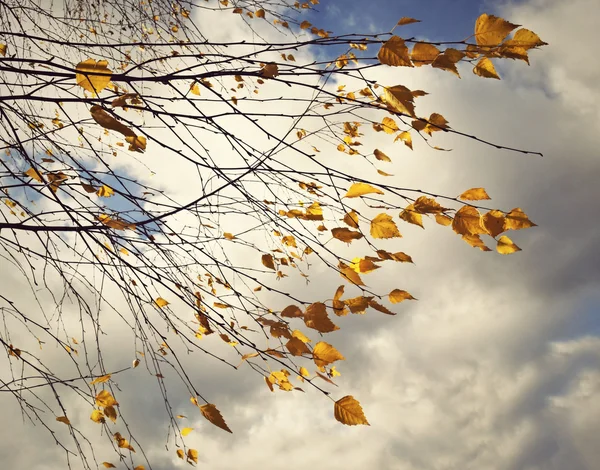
(55,178)
(490,36)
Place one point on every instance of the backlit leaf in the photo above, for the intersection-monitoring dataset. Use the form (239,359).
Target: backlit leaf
(491,30)
(394,52)
(399,99)
(211,413)
(410,215)
(97,416)
(518,220)
(398,295)
(108,465)
(379,155)
(468,221)
(99,380)
(345,234)
(485,68)
(377,306)
(63,419)
(160,302)
(104,398)
(35,174)
(111,413)
(297,347)
(351,219)
(506,246)
(406,20)
(186,431)
(349,274)
(424,54)
(348,411)
(494,222)
(361,189)
(316,318)
(382,226)
(301,336)
(292,311)
(474,194)
(325,353)
(399,256)
(192,454)
(92,75)
(180,454)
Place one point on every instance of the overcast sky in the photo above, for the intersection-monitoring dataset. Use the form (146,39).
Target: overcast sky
(497,366)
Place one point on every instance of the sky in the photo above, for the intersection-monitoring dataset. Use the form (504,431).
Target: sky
(497,365)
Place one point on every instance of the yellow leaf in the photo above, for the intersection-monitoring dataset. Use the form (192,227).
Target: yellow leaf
(105,191)
(211,413)
(325,353)
(394,52)
(104,399)
(228,236)
(399,99)
(468,221)
(160,302)
(63,419)
(195,89)
(406,20)
(192,454)
(380,308)
(348,411)
(411,216)
(427,205)
(108,465)
(397,296)
(301,336)
(362,265)
(304,372)
(3,50)
(345,234)
(180,454)
(361,189)
(389,125)
(525,39)
(186,431)
(339,307)
(379,155)
(485,68)
(99,380)
(424,54)
(92,75)
(297,347)
(349,274)
(506,246)
(399,256)
(334,372)
(474,194)
(97,416)
(406,138)
(317,319)
(260,13)
(382,226)
(136,362)
(35,174)
(358,304)
(476,242)
(491,30)
(494,222)
(110,413)
(267,261)
(518,220)
(351,219)
(122,442)
(443,219)
(115,223)
(136,143)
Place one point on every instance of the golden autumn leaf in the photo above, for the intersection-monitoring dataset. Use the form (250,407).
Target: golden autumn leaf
(180,454)
(212,414)
(494,222)
(108,465)
(160,302)
(516,219)
(491,30)
(394,52)
(398,99)
(186,431)
(104,119)
(316,318)
(63,419)
(104,398)
(468,221)
(389,126)
(195,89)
(379,155)
(269,71)
(474,194)
(99,380)
(398,295)
(485,68)
(525,39)
(423,54)
(325,353)
(348,411)
(427,205)
(267,261)
(406,20)
(304,372)
(92,75)
(476,242)
(140,467)
(406,138)
(339,307)
(361,189)
(3,50)
(351,219)
(115,223)
(35,174)
(364,265)
(358,304)
(297,347)
(443,219)
(97,416)
(381,308)
(136,143)
(506,246)
(301,336)
(346,235)
(192,454)
(382,226)
(349,274)
(410,215)
(399,256)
